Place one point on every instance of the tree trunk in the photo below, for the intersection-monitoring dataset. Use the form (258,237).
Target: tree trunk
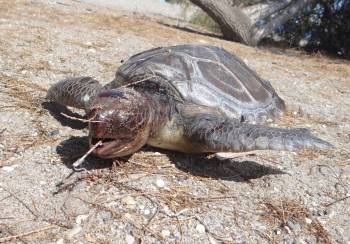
(251,24)
(235,25)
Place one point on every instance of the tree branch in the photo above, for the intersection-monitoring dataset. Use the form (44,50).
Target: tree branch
(262,10)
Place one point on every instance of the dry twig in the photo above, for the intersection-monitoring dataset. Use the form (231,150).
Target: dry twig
(9,238)
(77,163)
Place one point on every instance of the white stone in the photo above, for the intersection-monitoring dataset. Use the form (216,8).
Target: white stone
(308,221)
(129,239)
(80,218)
(147,212)
(74,231)
(129,201)
(60,241)
(8,169)
(200,228)
(165,233)
(160,183)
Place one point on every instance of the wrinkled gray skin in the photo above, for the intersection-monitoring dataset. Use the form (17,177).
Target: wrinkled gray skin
(187,98)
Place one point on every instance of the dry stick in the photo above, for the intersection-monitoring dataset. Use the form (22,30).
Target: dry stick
(83,120)
(339,200)
(77,163)
(9,238)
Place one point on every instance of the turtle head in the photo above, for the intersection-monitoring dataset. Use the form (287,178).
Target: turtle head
(120,119)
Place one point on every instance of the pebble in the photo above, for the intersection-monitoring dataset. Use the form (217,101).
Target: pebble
(147,212)
(160,183)
(60,241)
(165,233)
(54,132)
(8,169)
(80,218)
(129,201)
(129,239)
(200,228)
(278,232)
(308,221)
(105,216)
(74,232)
(293,226)
(212,240)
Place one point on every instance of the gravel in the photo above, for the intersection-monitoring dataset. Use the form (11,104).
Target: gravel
(158,196)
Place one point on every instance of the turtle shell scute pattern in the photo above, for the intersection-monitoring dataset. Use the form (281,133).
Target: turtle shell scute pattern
(210,76)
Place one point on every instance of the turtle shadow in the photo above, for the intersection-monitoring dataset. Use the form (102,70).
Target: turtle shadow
(74,148)
(197,165)
(56,110)
(223,169)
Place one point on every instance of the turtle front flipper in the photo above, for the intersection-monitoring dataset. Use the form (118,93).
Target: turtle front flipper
(74,92)
(221,134)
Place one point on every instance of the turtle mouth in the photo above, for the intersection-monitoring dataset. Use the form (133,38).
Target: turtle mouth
(110,147)
(107,147)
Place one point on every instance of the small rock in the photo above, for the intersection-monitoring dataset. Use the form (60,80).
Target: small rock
(80,218)
(278,232)
(200,228)
(54,132)
(160,183)
(286,227)
(165,233)
(212,240)
(308,221)
(129,239)
(311,240)
(8,169)
(293,226)
(74,232)
(105,216)
(60,241)
(147,212)
(129,201)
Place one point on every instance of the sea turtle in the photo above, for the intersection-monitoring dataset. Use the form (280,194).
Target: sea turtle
(187,98)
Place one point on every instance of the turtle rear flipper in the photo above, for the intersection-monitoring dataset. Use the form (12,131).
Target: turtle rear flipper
(220,134)
(75,92)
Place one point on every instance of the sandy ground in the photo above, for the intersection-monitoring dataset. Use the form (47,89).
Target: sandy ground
(148,7)
(158,196)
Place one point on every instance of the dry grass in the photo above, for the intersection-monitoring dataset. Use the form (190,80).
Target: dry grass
(280,211)
(126,177)
(25,96)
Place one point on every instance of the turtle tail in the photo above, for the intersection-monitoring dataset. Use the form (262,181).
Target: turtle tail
(227,135)
(75,92)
